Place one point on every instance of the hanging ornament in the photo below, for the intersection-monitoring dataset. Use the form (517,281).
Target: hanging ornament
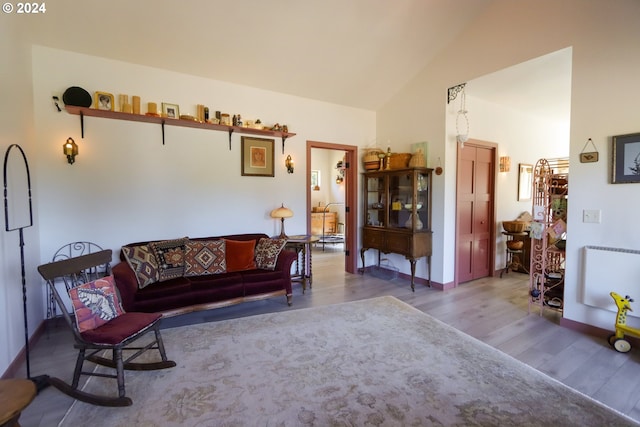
(439,167)
(462,120)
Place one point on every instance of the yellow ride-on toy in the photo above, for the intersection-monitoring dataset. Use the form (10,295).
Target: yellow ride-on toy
(617,340)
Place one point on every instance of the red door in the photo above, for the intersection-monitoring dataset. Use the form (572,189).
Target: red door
(475,212)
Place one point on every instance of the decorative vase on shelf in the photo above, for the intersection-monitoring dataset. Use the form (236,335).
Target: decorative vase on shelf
(409,222)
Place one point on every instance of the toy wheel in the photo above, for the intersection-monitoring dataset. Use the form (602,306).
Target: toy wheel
(622,345)
(611,339)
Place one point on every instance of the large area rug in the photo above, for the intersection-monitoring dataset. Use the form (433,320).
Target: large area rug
(377,362)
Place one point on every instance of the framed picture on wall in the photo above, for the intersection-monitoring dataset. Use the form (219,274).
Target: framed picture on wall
(625,164)
(525,181)
(315,180)
(257,156)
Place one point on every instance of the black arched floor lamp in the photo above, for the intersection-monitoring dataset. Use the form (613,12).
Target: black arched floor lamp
(42,380)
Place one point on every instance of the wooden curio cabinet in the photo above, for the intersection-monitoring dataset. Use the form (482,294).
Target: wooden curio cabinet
(397,210)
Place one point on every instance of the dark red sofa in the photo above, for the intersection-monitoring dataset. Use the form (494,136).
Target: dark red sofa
(186,294)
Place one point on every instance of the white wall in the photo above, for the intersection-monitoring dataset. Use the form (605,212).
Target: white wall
(606,56)
(126,186)
(16,127)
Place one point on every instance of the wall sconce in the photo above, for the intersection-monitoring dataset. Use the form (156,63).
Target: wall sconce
(70,149)
(289,164)
(340,166)
(505,164)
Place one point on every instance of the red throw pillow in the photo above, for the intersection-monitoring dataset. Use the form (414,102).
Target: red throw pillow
(95,303)
(240,255)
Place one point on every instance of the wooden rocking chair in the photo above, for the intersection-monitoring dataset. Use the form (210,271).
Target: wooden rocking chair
(116,334)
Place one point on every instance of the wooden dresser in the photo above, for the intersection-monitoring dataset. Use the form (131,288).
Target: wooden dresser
(330,223)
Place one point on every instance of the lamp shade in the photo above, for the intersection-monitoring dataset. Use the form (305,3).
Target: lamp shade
(281,212)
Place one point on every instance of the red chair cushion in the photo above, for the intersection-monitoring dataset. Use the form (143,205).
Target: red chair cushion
(120,328)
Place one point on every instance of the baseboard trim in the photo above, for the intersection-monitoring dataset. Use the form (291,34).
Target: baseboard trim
(407,277)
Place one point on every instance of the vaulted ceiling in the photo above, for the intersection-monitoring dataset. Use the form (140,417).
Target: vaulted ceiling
(350,52)
(356,53)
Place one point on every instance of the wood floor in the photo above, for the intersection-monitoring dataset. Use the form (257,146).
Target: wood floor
(493,310)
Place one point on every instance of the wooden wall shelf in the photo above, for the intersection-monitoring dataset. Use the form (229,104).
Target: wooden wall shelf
(162,121)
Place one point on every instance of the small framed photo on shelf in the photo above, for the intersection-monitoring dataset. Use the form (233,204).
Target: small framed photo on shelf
(171,111)
(257,156)
(625,165)
(104,101)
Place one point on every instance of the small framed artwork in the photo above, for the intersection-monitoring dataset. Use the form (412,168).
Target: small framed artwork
(625,165)
(525,182)
(424,146)
(171,111)
(315,180)
(257,156)
(104,101)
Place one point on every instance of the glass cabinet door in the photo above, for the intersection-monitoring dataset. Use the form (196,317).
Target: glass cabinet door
(401,195)
(422,200)
(408,192)
(376,201)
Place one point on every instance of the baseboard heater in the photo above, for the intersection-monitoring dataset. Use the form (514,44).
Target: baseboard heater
(610,269)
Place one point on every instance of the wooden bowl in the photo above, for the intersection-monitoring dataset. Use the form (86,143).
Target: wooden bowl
(515,245)
(514,226)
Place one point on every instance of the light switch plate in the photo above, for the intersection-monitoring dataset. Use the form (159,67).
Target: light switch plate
(591,216)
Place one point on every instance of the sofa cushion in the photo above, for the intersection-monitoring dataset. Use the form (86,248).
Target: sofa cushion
(175,287)
(95,303)
(143,263)
(204,257)
(261,281)
(240,255)
(214,280)
(267,251)
(170,257)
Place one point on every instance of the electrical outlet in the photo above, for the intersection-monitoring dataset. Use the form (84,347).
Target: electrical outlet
(591,216)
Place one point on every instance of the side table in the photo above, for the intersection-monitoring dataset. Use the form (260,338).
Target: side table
(512,256)
(15,395)
(302,245)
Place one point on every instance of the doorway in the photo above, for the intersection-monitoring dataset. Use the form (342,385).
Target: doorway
(475,210)
(348,186)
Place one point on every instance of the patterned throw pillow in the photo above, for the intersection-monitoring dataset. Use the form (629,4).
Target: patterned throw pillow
(95,303)
(204,257)
(267,252)
(240,255)
(170,257)
(143,263)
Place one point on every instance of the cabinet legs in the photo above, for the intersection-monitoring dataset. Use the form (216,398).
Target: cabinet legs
(412,261)
(413,274)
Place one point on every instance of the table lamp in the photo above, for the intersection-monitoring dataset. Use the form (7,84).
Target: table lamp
(282,213)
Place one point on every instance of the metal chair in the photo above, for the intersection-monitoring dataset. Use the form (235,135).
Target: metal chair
(115,335)
(72,250)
